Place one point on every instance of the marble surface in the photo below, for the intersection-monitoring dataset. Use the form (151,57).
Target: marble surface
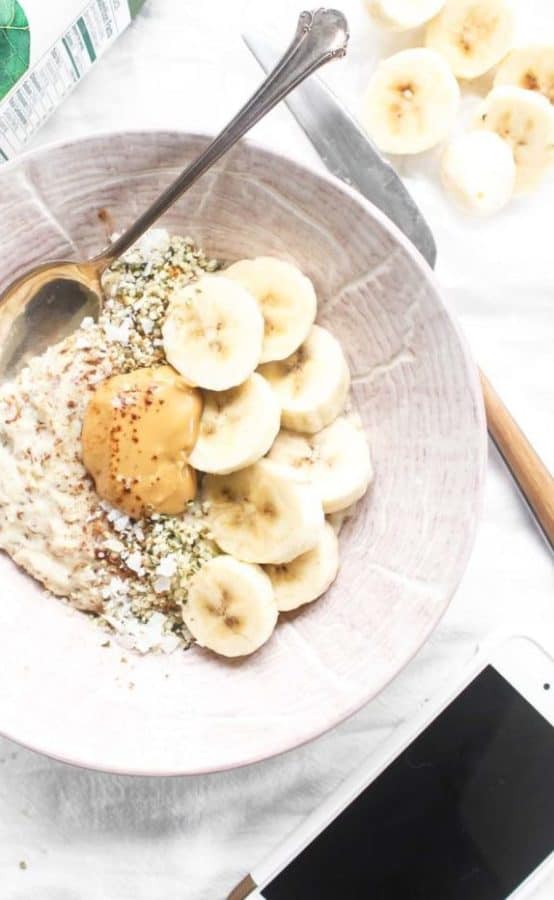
(86,836)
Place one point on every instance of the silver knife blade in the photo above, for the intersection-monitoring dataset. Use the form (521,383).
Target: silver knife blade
(347,151)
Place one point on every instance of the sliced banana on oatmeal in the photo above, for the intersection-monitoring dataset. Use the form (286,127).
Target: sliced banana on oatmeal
(402,15)
(262,514)
(237,426)
(478,169)
(411,101)
(213,333)
(335,461)
(472,35)
(231,607)
(525,120)
(312,384)
(287,300)
(308,576)
(530,67)
(338,519)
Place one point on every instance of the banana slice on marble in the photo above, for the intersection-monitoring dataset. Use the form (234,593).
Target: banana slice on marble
(312,384)
(307,577)
(402,15)
(411,101)
(525,120)
(530,67)
(237,426)
(287,300)
(213,333)
(263,514)
(472,35)
(479,171)
(231,607)
(335,461)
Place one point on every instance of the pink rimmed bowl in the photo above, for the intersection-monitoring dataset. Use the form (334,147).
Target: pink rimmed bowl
(403,554)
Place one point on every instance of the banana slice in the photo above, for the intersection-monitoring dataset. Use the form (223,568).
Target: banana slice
(308,576)
(531,68)
(287,300)
(472,35)
(478,169)
(262,514)
(231,607)
(337,519)
(335,461)
(411,101)
(237,427)
(401,15)
(213,333)
(312,384)
(525,120)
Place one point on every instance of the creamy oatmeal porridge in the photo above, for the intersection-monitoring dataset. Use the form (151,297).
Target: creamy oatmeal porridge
(178,468)
(52,521)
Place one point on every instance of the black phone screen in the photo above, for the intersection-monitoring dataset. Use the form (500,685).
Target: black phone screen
(466,812)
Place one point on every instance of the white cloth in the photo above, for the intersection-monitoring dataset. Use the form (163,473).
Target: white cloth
(88,836)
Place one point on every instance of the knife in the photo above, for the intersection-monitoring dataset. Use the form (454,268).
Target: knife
(349,154)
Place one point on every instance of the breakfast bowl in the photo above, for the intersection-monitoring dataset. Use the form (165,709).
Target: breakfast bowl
(68,691)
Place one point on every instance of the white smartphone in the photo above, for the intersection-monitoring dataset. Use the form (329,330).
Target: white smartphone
(459,806)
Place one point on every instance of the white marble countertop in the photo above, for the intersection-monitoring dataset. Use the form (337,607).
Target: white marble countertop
(88,836)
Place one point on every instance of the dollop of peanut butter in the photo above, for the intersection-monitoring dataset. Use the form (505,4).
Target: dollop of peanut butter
(138,431)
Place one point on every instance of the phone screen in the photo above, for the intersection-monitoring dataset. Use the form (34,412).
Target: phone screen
(466,812)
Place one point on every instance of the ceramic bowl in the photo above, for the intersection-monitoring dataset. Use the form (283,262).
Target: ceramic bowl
(403,553)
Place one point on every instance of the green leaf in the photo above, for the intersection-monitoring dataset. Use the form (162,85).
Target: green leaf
(7,12)
(134,6)
(15,44)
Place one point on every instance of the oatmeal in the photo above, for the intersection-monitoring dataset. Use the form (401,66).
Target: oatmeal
(52,521)
(171,468)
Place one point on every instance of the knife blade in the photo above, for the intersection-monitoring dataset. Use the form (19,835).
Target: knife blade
(347,151)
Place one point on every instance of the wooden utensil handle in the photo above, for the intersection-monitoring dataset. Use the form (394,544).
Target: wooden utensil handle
(529,471)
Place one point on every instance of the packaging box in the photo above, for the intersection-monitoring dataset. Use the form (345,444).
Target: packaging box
(45,50)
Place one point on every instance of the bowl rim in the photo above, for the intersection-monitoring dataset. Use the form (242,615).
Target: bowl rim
(313,171)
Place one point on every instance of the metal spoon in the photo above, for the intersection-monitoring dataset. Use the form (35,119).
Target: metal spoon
(49,301)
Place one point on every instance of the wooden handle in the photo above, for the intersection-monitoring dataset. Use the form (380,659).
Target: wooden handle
(244,889)
(533,478)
